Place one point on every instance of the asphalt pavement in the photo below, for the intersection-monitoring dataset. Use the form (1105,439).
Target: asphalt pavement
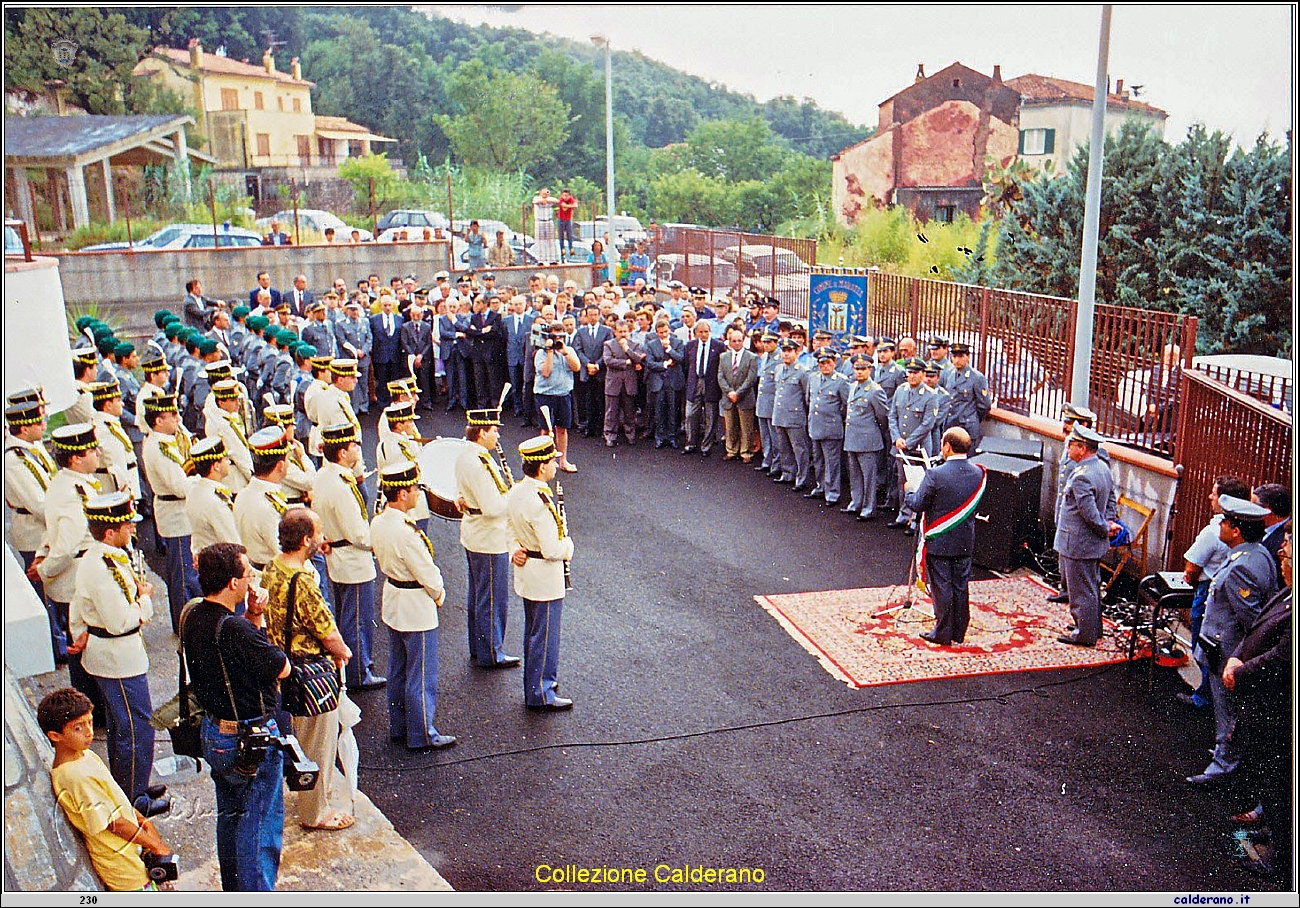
(704,737)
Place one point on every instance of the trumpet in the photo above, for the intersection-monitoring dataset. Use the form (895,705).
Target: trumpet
(138,565)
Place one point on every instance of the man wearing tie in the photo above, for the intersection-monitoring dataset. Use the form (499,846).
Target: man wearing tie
(518,324)
(221,331)
(702,390)
(386,326)
(484,326)
(263,283)
(417,341)
(300,297)
(590,390)
(738,381)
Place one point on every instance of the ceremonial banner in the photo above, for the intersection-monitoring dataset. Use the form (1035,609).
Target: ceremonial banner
(838,303)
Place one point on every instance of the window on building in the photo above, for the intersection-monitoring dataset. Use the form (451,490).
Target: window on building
(257,101)
(356,149)
(304,149)
(281,100)
(1037,141)
(264,144)
(297,105)
(945,214)
(230,99)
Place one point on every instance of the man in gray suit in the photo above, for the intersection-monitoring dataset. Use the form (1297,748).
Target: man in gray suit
(1083,532)
(790,419)
(866,434)
(828,401)
(665,379)
(766,398)
(623,360)
(738,381)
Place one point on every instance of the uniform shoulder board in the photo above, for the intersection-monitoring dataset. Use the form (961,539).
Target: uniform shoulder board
(1235,555)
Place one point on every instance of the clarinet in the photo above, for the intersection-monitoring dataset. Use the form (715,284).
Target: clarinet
(564,524)
(505,466)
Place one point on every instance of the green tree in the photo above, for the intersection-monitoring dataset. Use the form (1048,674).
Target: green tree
(734,150)
(690,197)
(504,120)
(107,49)
(372,177)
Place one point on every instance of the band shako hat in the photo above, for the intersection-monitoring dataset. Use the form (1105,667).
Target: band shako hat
(400,412)
(114,508)
(75,439)
(339,434)
(399,475)
(539,449)
(24,414)
(344,368)
(101,391)
(211,448)
(278,414)
(161,403)
(487,417)
(269,442)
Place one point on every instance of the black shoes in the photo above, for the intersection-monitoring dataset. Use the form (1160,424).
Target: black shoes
(1059,598)
(1073,640)
(374,682)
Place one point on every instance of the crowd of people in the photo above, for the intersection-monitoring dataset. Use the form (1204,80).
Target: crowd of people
(243,445)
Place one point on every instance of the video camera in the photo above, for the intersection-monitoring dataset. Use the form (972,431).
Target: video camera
(256,741)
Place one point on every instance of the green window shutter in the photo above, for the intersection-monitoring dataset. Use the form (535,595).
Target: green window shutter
(1020,149)
(1049,141)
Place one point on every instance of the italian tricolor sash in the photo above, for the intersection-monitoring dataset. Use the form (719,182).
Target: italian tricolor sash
(945,524)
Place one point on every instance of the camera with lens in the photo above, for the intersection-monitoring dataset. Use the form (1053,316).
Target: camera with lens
(256,741)
(164,868)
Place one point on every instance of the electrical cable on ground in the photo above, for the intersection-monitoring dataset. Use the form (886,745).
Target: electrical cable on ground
(999,698)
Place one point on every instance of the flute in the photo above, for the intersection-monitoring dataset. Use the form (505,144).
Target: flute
(505,466)
(564,526)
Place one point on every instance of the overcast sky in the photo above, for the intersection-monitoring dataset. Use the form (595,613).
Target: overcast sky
(1229,66)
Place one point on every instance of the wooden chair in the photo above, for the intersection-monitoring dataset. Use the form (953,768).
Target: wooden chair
(1135,549)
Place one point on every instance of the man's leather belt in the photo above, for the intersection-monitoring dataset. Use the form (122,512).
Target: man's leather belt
(405,584)
(538,555)
(170,497)
(19,510)
(473,511)
(103,633)
(341,544)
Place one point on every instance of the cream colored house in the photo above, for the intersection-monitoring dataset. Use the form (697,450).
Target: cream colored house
(256,116)
(1056,117)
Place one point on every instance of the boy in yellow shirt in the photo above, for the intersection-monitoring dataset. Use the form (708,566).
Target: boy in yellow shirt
(94,803)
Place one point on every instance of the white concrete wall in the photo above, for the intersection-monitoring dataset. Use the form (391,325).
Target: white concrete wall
(1073,125)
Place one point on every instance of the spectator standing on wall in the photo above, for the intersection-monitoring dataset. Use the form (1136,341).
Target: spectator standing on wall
(548,250)
(564,216)
(475,247)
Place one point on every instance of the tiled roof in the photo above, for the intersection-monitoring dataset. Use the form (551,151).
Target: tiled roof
(340,123)
(1033,87)
(213,63)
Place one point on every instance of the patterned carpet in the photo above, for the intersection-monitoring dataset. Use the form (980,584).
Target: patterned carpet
(1012,629)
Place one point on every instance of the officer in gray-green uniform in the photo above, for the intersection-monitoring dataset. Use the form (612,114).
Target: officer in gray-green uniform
(858,344)
(887,373)
(934,380)
(939,346)
(765,401)
(912,415)
(283,367)
(828,400)
(790,419)
(866,435)
(971,400)
(253,352)
(1070,416)
(123,372)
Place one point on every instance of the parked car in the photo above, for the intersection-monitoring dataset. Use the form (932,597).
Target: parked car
(13,241)
(408,234)
(315,220)
(414,217)
(693,270)
(185,236)
(772,272)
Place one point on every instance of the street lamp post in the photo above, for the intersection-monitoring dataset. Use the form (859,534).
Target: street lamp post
(602,41)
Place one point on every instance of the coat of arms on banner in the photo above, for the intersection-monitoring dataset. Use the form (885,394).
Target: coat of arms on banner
(65,51)
(838,312)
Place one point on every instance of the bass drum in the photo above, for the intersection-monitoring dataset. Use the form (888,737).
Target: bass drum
(437,461)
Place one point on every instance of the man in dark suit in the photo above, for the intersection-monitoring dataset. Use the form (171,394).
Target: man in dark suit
(665,379)
(589,392)
(517,324)
(702,390)
(1277,523)
(1083,531)
(263,283)
(417,341)
(386,327)
(947,498)
(299,297)
(738,381)
(483,330)
(624,359)
(198,309)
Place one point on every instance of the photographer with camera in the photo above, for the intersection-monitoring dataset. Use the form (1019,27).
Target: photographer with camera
(556,364)
(234,671)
